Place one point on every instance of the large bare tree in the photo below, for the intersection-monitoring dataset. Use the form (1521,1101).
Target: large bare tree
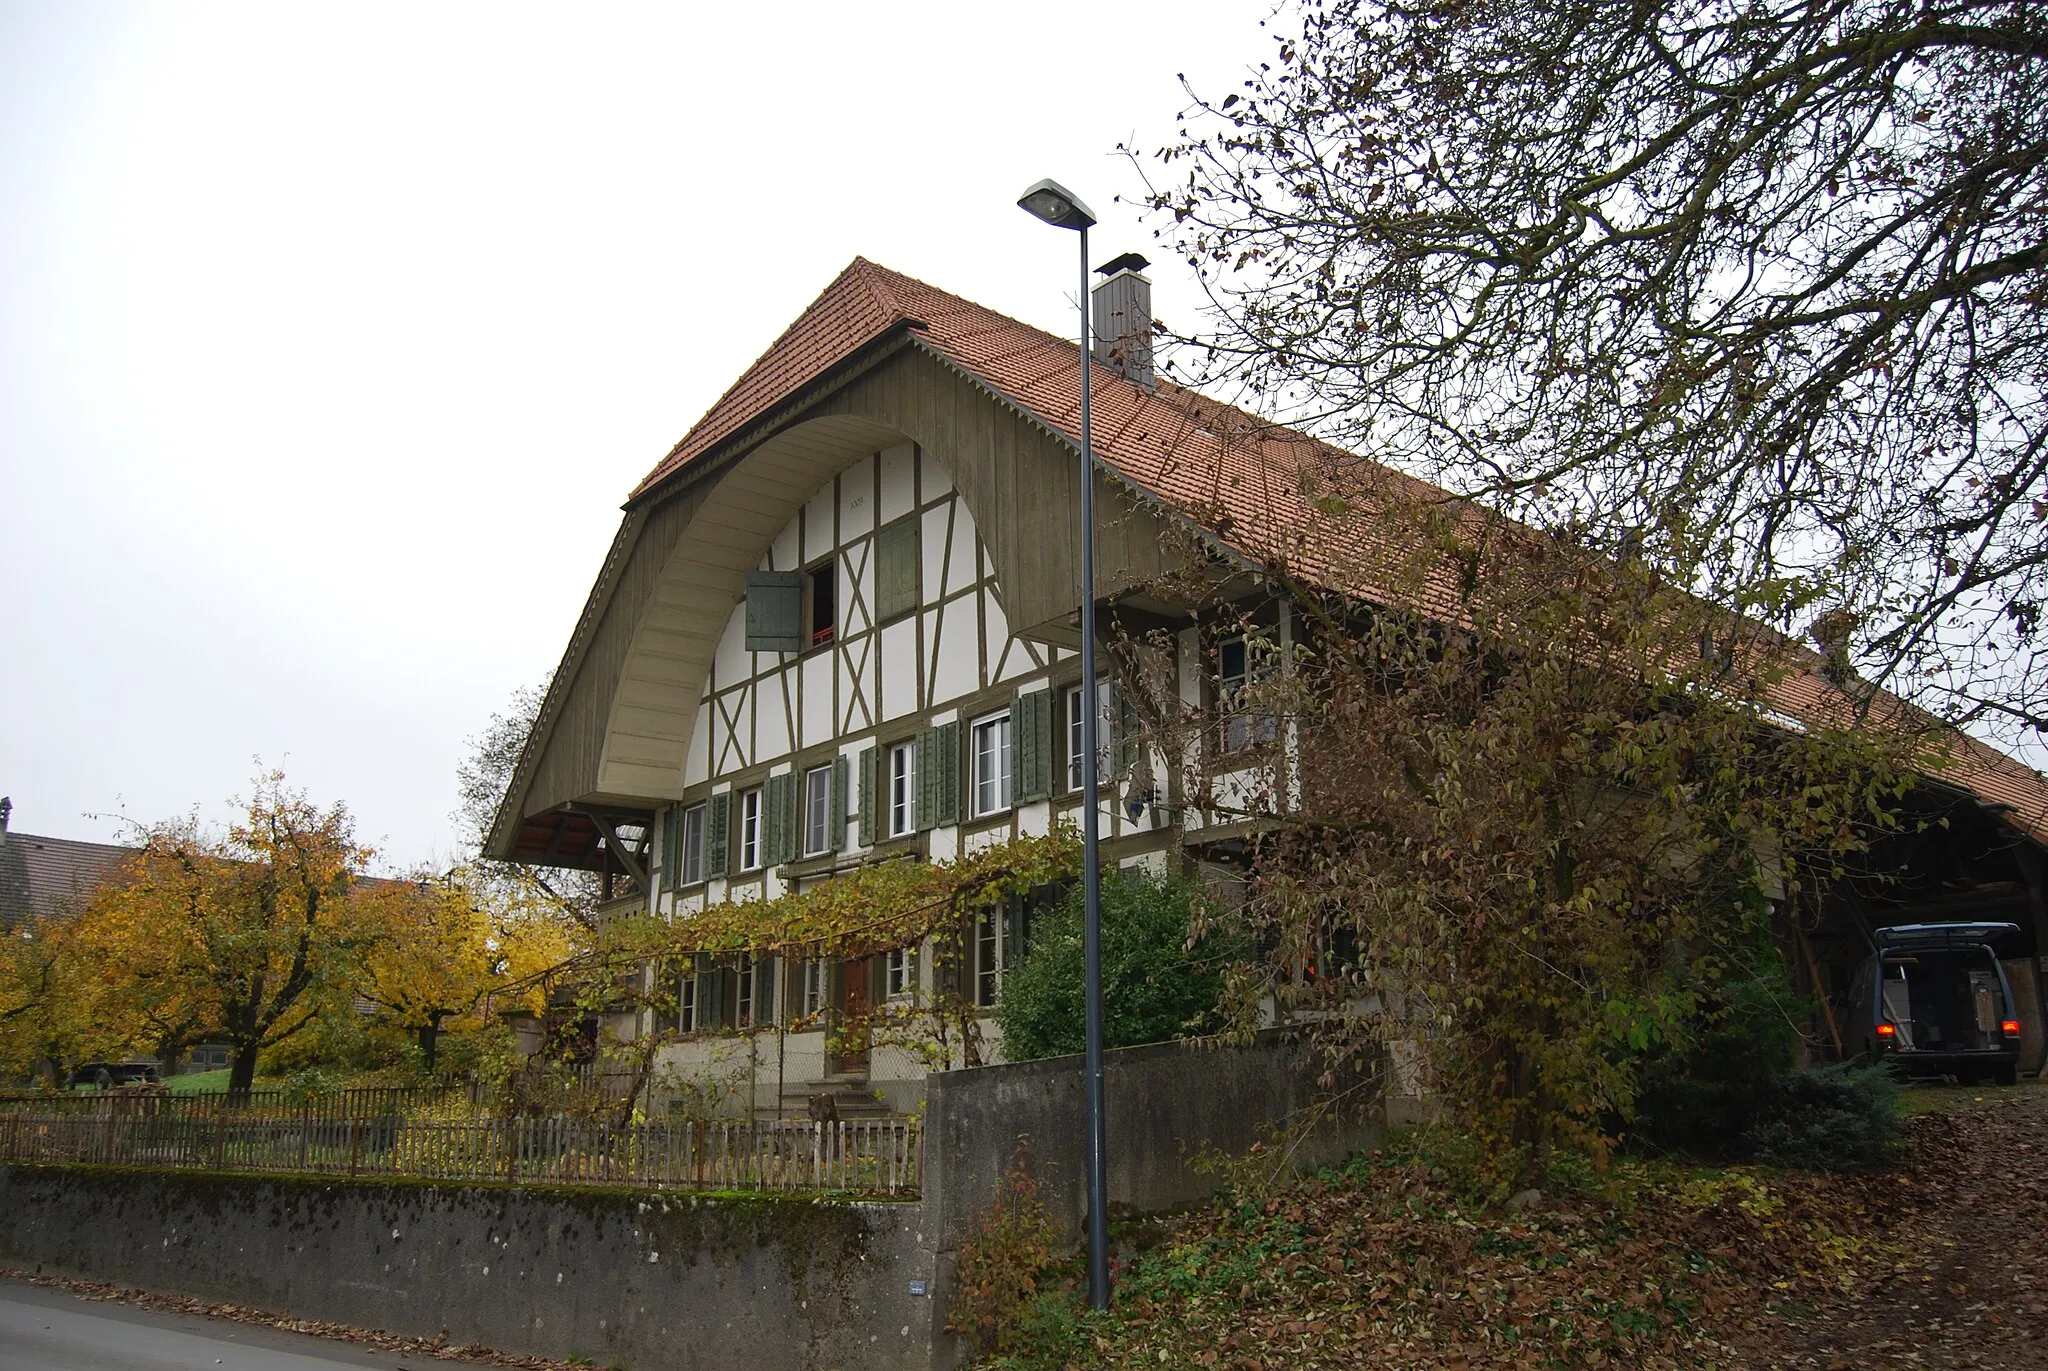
(1752,288)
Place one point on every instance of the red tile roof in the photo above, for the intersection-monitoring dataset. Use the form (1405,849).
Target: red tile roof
(1257,487)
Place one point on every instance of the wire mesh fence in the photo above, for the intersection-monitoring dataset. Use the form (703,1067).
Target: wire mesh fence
(874,1156)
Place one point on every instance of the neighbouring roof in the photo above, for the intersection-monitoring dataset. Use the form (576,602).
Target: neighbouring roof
(1257,489)
(44,876)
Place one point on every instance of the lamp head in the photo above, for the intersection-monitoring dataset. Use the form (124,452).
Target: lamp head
(1058,206)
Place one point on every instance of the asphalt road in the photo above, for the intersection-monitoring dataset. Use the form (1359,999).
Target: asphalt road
(52,1330)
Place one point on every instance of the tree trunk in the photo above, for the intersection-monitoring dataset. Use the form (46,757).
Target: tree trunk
(242,1075)
(428,1035)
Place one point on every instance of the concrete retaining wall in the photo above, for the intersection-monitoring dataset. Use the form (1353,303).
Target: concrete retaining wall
(643,1281)
(1163,1106)
(670,1281)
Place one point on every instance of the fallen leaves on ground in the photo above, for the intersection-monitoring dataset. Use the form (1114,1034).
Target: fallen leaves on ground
(1962,1280)
(474,1353)
(1937,1265)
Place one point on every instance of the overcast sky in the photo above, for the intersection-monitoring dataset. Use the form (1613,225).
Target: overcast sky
(332,337)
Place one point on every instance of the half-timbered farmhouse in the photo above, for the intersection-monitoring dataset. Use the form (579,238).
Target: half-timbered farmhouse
(839,621)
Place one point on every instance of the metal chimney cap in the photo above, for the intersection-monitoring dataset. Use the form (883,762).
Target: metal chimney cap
(1130,261)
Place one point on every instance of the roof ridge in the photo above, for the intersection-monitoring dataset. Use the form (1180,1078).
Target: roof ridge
(876,277)
(783,365)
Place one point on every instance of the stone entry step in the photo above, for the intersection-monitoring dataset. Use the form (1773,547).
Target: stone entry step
(839,1097)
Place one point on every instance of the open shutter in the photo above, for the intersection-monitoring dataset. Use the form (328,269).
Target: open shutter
(869,759)
(928,778)
(946,768)
(765,1008)
(896,569)
(1015,930)
(668,847)
(710,982)
(779,819)
(835,814)
(775,611)
(1031,737)
(717,832)
(771,821)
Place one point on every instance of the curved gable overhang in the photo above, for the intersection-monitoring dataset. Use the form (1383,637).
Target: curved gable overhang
(614,730)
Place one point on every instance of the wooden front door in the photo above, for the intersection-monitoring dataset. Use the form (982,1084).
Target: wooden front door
(854,1003)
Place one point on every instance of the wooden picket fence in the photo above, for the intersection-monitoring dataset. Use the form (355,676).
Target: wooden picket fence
(353,1103)
(874,1156)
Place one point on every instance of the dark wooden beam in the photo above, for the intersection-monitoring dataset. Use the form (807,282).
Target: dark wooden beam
(618,849)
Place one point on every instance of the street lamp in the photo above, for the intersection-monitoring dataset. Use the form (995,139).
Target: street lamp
(1060,207)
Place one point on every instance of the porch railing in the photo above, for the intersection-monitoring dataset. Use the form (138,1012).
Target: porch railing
(872,1156)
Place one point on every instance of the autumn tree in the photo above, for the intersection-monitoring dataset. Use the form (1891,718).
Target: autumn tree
(253,935)
(442,957)
(1752,292)
(1518,822)
(48,1018)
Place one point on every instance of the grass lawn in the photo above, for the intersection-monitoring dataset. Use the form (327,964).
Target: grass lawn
(199,1083)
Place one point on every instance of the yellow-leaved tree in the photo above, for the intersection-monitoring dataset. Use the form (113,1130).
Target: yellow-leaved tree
(251,937)
(447,957)
(49,1015)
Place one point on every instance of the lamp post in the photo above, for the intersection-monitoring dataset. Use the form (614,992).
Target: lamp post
(1061,208)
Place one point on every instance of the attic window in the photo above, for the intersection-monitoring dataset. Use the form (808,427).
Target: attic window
(824,603)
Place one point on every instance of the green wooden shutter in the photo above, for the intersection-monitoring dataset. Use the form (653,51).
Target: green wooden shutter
(869,760)
(1031,737)
(896,569)
(779,819)
(929,777)
(717,831)
(771,822)
(835,815)
(775,611)
(764,991)
(668,847)
(946,770)
(711,996)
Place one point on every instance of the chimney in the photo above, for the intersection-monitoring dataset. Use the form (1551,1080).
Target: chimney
(1123,318)
(6,808)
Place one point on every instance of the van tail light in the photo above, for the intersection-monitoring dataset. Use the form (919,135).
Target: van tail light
(2011,1027)
(1887,1031)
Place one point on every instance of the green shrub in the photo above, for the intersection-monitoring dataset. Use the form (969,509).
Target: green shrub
(1833,1118)
(1728,1090)
(1154,986)
(1698,1095)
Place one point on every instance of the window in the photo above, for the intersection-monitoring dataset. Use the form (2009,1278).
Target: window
(686,1002)
(902,974)
(749,983)
(824,616)
(817,811)
(992,764)
(1242,663)
(1103,743)
(690,845)
(902,789)
(815,972)
(992,955)
(750,831)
